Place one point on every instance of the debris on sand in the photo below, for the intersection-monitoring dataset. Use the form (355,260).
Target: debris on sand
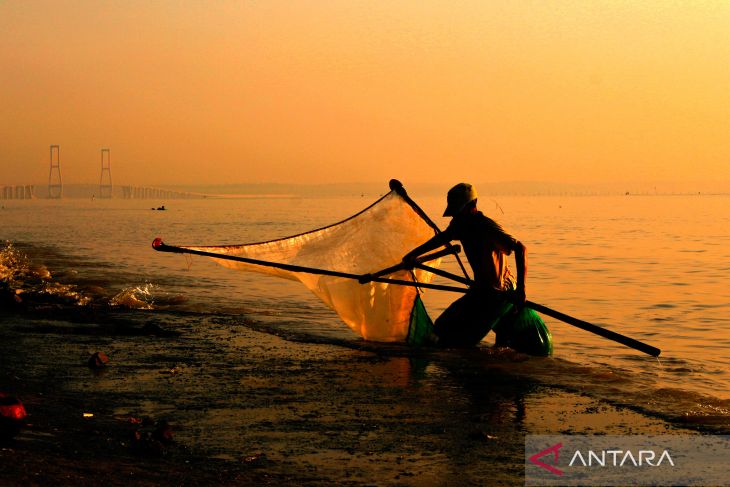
(98,360)
(153,439)
(12,414)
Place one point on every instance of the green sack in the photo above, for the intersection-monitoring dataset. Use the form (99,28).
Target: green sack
(524,332)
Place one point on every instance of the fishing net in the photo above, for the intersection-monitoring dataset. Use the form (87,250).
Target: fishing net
(374,239)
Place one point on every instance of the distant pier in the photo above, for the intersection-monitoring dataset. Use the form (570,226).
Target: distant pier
(146,193)
(20,192)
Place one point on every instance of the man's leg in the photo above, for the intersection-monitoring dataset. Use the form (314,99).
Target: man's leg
(452,326)
(468,320)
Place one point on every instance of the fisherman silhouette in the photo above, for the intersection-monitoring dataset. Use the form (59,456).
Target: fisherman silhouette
(496,299)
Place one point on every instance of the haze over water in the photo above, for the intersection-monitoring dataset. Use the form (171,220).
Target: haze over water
(321,92)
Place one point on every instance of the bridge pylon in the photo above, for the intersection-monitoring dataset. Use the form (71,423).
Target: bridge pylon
(55,185)
(106,188)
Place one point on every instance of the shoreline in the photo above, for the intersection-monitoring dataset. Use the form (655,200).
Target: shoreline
(247,406)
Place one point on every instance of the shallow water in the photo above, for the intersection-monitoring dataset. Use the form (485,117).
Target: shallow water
(650,267)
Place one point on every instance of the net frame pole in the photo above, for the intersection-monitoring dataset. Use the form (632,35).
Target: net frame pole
(578,323)
(160,246)
(397,186)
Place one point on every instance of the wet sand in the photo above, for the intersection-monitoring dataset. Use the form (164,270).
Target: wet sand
(249,407)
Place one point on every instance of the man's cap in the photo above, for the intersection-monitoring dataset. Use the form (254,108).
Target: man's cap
(459,196)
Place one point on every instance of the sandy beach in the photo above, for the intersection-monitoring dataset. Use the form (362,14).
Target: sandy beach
(273,410)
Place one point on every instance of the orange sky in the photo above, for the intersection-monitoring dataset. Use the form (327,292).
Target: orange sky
(337,91)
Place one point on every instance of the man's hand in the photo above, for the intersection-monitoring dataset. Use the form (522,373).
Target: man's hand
(365,278)
(519,299)
(410,261)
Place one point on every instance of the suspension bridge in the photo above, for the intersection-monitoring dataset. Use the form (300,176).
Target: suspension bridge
(105,189)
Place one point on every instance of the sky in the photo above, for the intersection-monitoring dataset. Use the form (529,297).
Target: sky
(327,91)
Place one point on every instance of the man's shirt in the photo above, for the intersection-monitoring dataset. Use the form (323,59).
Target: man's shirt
(486,246)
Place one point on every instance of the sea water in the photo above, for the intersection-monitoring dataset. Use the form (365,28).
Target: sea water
(654,268)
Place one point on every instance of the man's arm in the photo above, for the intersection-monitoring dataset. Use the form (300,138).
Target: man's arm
(435,242)
(521,260)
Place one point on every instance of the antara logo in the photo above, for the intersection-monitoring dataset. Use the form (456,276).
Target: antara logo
(619,458)
(602,458)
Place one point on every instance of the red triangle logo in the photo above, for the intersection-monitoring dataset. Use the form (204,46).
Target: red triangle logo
(555,449)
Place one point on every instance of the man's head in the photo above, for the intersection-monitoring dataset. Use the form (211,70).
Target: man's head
(459,198)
